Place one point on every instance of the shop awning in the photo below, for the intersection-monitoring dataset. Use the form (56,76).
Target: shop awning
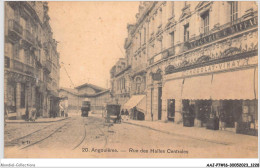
(141,106)
(133,101)
(197,87)
(235,85)
(256,82)
(172,89)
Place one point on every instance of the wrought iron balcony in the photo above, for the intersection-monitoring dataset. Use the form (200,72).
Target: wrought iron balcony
(29,37)
(171,51)
(47,66)
(29,69)
(7,62)
(22,67)
(15,29)
(19,66)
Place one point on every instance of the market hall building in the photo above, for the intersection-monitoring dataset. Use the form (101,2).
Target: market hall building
(206,70)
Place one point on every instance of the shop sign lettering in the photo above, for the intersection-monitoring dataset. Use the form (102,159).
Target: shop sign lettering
(225,32)
(221,66)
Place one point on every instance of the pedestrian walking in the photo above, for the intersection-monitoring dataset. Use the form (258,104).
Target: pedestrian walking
(126,114)
(222,123)
(32,114)
(123,114)
(61,110)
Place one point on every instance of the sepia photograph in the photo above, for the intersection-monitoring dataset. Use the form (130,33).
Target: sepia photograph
(131,79)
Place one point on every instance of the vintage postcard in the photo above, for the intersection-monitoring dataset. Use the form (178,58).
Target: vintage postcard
(149,79)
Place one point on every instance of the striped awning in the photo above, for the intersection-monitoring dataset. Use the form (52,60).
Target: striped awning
(133,101)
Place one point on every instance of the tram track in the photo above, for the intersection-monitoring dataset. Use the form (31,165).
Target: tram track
(44,138)
(84,135)
(99,132)
(16,140)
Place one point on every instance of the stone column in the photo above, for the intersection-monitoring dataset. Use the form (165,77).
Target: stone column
(178,111)
(164,109)
(148,105)
(18,101)
(155,103)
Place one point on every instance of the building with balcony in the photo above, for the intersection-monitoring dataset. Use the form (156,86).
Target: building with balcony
(198,61)
(30,79)
(120,81)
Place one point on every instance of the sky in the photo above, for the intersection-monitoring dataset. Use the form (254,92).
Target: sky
(90,38)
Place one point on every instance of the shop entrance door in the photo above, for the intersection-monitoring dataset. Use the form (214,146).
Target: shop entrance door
(233,110)
(204,110)
(171,109)
(159,103)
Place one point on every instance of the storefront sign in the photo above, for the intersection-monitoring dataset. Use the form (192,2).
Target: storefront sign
(222,66)
(215,68)
(225,32)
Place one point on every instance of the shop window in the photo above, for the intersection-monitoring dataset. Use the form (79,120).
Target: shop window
(22,98)
(11,97)
(186,33)
(205,22)
(233,11)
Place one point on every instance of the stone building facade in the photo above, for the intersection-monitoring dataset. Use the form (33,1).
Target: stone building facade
(120,81)
(31,60)
(197,60)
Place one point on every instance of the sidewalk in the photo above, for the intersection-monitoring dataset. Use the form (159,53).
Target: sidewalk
(39,120)
(199,133)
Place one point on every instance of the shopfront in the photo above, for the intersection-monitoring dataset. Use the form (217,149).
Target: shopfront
(219,96)
(136,106)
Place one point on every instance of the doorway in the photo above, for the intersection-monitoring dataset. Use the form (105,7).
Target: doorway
(159,103)
(171,109)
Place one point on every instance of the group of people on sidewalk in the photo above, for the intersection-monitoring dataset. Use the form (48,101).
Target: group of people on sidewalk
(124,114)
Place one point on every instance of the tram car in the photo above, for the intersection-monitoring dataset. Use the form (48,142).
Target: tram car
(113,113)
(85,108)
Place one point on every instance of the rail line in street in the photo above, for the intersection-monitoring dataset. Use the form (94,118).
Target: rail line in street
(44,138)
(84,135)
(16,140)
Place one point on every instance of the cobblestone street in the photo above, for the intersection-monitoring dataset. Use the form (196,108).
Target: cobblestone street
(91,137)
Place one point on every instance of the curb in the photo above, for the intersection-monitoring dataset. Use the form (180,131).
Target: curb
(34,122)
(183,135)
